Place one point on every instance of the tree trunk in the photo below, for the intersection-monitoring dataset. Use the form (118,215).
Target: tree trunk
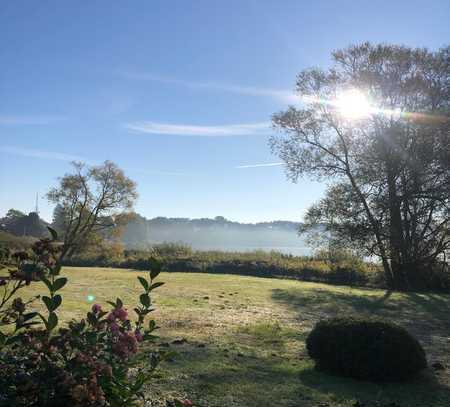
(396,244)
(380,244)
(387,272)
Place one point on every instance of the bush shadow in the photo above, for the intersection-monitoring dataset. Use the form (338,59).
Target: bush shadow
(425,315)
(213,378)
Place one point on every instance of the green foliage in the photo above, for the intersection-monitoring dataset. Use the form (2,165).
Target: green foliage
(87,363)
(169,249)
(329,268)
(366,349)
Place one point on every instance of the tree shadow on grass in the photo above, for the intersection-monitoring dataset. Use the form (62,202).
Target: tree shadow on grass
(423,390)
(211,377)
(424,315)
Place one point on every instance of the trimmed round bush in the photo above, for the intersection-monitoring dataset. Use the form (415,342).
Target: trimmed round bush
(367,349)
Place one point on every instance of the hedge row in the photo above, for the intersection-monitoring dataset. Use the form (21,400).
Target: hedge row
(304,270)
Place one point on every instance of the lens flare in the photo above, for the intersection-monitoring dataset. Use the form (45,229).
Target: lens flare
(90,298)
(353,104)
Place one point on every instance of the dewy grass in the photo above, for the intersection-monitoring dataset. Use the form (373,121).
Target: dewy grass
(243,338)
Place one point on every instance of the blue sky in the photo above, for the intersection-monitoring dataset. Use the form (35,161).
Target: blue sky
(178,93)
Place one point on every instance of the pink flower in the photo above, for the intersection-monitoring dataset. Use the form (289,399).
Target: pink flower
(121,349)
(187,403)
(114,327)
(111,317)
(96,308)
(131,341)
(121,313)
(125,345)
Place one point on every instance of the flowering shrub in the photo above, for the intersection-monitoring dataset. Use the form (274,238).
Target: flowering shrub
(91,362)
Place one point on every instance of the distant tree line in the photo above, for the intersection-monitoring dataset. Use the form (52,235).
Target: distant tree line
(21,224)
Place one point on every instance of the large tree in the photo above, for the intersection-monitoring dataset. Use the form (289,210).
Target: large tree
(376,127)
(90,201)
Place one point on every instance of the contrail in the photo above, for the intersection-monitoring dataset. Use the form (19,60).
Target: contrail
(259,165)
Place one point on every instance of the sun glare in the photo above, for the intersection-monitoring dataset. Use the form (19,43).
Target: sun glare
(353,104)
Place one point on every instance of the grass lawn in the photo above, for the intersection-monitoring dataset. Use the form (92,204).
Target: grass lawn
(245,337)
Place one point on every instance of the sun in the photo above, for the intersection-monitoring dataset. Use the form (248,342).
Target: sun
(353,104)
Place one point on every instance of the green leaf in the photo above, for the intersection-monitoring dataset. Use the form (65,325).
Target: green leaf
(154,273)
(12,339)
(144,283)
(152,325)
(91,337)
(155,285)
(145,300)
(92,319)
(27,324)
(155,268)
(44,320)
(47,282)
(150,337)
(53,233)
(29,315)
(119,303)
(57,299)
(52,321)
(55,270)
(48,302)
(59,283)
(101,314)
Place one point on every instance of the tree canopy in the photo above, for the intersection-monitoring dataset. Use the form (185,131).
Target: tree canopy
(376,126)
(90,201)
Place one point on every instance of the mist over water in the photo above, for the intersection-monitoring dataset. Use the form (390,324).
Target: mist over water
(216,234)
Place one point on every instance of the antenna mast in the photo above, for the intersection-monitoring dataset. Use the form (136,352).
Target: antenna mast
(37,203)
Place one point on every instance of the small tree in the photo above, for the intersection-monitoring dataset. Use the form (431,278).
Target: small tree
(89,202)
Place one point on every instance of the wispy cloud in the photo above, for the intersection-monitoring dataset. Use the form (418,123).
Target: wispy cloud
(53,155)
(33,153)
(29,120)
(245,129)
(259,165)
(284,95)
